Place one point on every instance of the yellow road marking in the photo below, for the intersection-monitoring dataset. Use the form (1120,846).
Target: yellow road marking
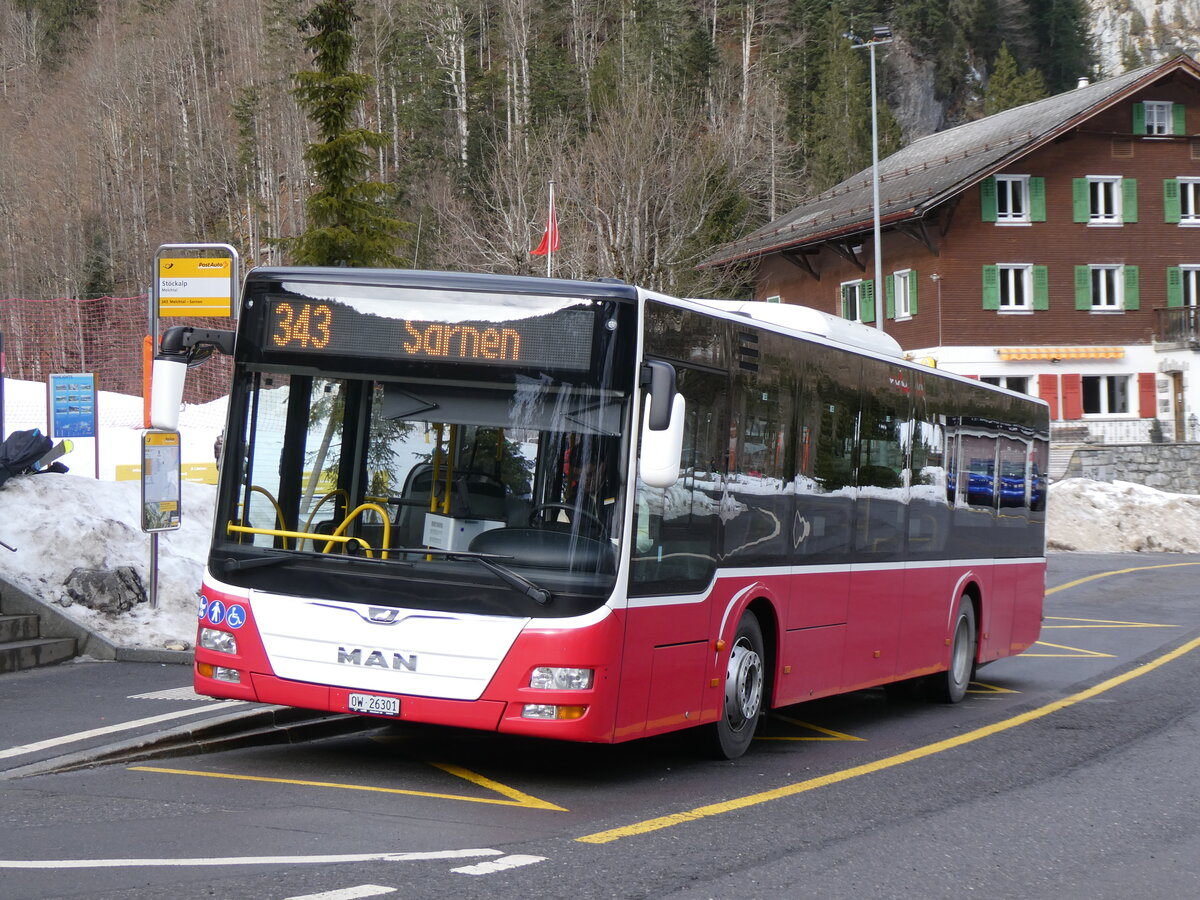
(1076,652)
(829,734)
(1101,623)
(516,797)
(981,687)
(1099,575)
(800,787)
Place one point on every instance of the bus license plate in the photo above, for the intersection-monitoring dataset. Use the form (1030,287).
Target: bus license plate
(374,705)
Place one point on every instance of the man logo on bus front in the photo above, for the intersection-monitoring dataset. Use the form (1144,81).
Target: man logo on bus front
(382,615)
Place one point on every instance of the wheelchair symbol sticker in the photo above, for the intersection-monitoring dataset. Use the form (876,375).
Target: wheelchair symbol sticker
(236,617)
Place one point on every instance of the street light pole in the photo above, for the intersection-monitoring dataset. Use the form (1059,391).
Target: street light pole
(880,34)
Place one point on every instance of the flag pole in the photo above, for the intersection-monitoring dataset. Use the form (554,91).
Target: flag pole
(550,247)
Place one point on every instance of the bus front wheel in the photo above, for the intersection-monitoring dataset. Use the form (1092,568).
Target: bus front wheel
(951,686)
(744,689)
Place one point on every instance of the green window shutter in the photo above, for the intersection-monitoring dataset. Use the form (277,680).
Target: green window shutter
(1081,199)
(1174,286)
(1178,118)
(1041,287)
(987,199)
(889,293)
(912,292)
(1139,118)
(1083,287)
(1037,199)
(1129,210)
(991,287)
(846,302)
(1171,207)
(1133,299)
(866,301)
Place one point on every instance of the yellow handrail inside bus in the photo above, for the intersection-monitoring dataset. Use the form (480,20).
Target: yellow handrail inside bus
(276,532)
(254,488)
(450,456)
(387,527)
(312,515)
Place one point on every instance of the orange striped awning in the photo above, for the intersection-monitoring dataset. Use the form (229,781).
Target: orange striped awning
(1061,352)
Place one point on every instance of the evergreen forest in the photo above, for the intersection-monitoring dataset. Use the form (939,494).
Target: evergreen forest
(667,126)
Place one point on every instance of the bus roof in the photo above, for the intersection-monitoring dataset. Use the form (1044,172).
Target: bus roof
(459,281)
(813,321)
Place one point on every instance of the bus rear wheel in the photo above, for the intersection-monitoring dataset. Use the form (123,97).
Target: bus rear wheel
(951,686)
(744,690)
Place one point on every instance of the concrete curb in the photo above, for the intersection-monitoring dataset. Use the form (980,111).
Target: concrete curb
(57,624)
(255,726)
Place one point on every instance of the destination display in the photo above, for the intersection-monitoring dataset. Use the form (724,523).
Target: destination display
(557,340)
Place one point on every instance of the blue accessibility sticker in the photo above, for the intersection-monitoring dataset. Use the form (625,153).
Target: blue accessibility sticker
(202,609)
(216,612)
(236,617)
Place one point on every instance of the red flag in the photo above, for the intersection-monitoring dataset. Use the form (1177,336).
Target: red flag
(549,242)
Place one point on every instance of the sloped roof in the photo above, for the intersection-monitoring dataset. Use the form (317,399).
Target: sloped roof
(938,166)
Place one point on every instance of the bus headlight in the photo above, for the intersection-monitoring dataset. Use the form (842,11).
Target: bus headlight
(550,711)
(555,678)
(219,641)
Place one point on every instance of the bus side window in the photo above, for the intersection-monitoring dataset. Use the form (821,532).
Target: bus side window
(677,529)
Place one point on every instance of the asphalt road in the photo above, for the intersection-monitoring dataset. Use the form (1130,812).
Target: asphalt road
(1068,772)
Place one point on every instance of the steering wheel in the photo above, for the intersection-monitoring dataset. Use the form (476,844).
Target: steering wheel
(571,511)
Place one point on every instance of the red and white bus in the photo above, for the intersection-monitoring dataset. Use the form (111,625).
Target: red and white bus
(587,511)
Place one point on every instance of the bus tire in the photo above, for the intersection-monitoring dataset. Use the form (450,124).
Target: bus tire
(743,689)
(951,686)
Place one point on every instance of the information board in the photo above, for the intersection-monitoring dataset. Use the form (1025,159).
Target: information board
(73,405)
(160,481)
(191,286)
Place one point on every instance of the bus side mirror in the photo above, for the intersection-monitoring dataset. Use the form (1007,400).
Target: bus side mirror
(166,392)
(662,427)
(181,346)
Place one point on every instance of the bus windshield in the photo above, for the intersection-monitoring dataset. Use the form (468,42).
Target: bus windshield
(428,483)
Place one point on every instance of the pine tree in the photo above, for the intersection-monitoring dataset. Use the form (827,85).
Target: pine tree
(348,223)
(1065,51)
(1007,87)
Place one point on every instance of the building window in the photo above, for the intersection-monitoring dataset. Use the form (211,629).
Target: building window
(1012,198)
(858,301)
(902,287)
(1106,288)
(850,296)
(1104,200)
(1190,285)
(1016,288)
(1158,117)
(1105,395)
(1018,383)
(1189,201)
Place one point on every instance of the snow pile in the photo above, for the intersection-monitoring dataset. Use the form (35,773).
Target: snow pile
(1121,517)
(61,522)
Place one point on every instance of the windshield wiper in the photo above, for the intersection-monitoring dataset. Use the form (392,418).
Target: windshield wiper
(279,558)
(508,576)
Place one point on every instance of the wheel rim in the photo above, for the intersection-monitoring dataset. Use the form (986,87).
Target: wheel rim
(743,685)
(960,664)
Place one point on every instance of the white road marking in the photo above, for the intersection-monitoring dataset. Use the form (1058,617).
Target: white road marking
(498,865)
(354,893)
(242,860)
(108,729)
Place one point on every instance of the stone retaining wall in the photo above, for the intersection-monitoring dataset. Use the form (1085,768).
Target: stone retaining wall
(1166,467)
